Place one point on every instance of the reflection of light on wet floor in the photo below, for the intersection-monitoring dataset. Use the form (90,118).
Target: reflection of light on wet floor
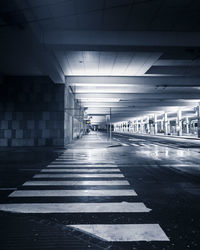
(157,152)
(97,155)
(153,154)
(180,153)
(166,153)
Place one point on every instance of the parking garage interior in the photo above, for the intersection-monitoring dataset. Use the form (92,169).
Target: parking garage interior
(99,124)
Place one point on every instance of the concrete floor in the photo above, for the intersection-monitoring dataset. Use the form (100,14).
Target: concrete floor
(60,199)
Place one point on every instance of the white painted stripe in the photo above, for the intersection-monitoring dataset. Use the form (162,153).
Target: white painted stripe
(82,170)
(88,192)
(133,144)
(78,175)
(76,183)
(71,159)
(121,207)
(125,232)
(81,166)
(90,160)
(126,145)
(86,160)
(80,162)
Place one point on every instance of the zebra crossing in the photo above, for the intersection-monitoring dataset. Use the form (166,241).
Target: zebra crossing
(69,177)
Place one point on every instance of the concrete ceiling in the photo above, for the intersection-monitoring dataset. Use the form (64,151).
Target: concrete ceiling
(133,56)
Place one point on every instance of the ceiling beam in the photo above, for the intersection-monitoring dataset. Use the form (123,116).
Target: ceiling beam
(172,81)
(121,38)
(139,103)
(136,96)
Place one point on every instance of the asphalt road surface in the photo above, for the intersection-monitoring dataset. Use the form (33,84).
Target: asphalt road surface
(135,192)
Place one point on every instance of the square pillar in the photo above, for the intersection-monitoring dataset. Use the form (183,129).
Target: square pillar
(142,126)
(136,126)
(198,117)
(162,124)
(139,126)
(147,122)
(179,123)
(187,125)
(155,125)
(165,124)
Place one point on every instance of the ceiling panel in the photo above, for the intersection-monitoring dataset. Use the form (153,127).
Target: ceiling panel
(122,61)
(142,14)
(117,3)
(63,9)
(168,62)
(93,20)
(116,17)
(88,5)
(178,70)
(42,12)
(107,63)
(141,62)
(37,3)
(63,23)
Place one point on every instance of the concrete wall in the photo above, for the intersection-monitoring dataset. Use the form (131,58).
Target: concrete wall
(31,112)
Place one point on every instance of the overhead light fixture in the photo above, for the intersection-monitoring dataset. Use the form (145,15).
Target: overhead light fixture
(100,99)
(101,84)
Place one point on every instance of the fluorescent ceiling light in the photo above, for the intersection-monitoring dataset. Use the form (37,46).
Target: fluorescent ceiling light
(100,99)
(191,100)
(101,84)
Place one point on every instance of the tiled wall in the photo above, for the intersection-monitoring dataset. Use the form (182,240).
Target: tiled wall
(31,112)
(73,127)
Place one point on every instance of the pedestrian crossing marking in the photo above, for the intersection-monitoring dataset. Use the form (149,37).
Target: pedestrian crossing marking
(81,170)
(85,192)
(69,165)
(80,166)
(90,175)
(124,232)
(114,207)
(81,161)
(76,183)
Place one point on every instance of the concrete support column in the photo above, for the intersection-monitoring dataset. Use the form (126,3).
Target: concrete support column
(187,125)
(198,117)
(148,128)
(179,123)
(136,126)
(139,125)
(155,125)
(162,124)
(165,124)
(142,126)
